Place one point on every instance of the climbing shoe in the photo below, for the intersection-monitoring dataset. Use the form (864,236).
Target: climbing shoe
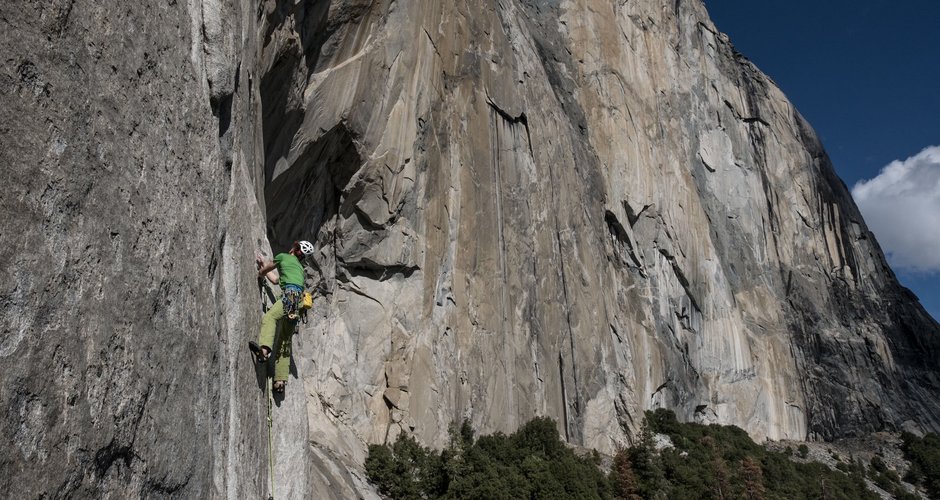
(258,351)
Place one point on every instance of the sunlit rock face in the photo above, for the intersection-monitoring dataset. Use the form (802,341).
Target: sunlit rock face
(584,210)
(580,209)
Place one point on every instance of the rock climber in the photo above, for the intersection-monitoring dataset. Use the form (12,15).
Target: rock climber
(286,270)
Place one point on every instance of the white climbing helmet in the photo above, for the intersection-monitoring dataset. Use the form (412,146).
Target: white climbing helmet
(307,248)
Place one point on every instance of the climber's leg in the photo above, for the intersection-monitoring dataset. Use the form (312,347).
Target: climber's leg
(282,359)
(269,325)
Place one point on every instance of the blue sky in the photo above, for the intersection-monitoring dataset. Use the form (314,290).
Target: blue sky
(866,74)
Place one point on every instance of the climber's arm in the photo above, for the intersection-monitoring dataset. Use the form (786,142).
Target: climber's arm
(268,269)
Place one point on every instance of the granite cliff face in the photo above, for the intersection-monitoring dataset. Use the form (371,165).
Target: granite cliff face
(580,209)
(126,246)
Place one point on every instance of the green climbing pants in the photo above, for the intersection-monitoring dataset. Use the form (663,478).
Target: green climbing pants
(280,346)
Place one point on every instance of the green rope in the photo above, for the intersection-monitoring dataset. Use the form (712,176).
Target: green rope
(270,439)
(263,286)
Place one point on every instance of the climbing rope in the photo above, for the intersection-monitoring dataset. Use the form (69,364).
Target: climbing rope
(270,437)
(266,294)
(263,286)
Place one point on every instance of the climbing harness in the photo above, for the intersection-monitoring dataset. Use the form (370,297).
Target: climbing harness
(292,301)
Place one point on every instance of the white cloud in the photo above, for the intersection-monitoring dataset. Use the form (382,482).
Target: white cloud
(902,207)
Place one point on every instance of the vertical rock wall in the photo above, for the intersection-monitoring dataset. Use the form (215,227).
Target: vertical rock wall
(130,220)
(580,209)
(577,209)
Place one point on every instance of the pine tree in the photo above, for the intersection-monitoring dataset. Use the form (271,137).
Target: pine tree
(623,478)
(647,467)
(753,479)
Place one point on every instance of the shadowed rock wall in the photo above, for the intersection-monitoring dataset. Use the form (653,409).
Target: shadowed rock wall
(128,158)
